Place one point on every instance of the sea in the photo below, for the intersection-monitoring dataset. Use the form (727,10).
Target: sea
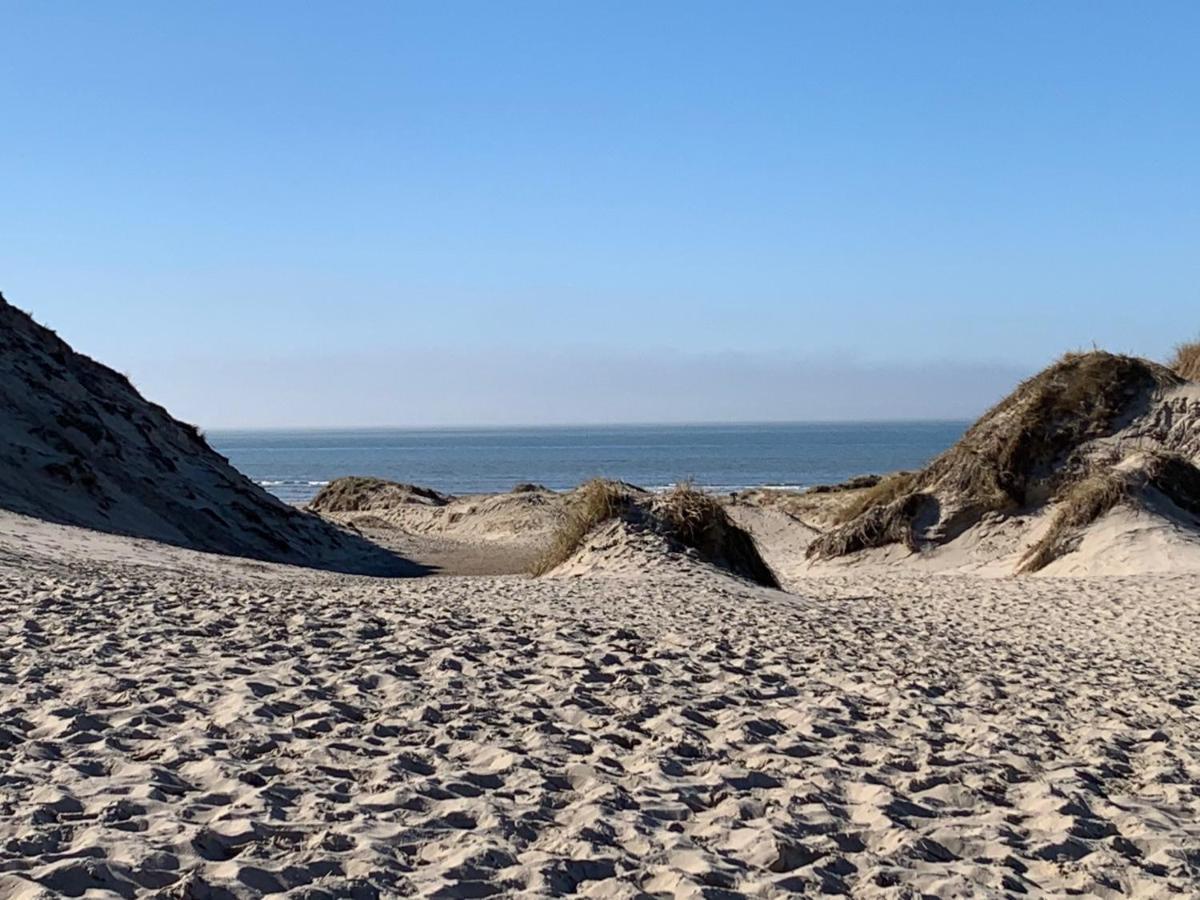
(295,464)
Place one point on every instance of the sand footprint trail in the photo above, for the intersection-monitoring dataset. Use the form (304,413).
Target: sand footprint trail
(206,734)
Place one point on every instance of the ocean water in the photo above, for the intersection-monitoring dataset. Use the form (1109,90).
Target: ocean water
(295,464)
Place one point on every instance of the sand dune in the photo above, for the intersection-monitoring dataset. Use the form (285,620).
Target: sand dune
(1090,467)
(173,726)
(79,445)
(479,534)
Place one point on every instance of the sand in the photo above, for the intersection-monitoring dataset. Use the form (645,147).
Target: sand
(185,725)
(476,534)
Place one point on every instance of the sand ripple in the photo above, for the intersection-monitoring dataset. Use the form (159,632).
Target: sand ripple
(202,736)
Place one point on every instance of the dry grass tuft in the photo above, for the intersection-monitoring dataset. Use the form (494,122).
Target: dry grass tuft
(1186,362)
(697,520)
(875,525)
(1086,501)
(1018,454)
(685,515)
(595,502)
(883,493)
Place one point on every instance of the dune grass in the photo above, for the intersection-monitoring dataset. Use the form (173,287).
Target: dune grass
(1018,454)
(595,502)
(1082,504)
(1174,477)
(683,514)
(698,520)
(1021,450)
(1186,362)
(883,493)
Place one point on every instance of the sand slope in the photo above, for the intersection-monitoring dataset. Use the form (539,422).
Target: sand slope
(79,445)
(476,534)
(187,730)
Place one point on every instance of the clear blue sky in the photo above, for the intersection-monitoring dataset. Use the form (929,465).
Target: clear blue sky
(392,213)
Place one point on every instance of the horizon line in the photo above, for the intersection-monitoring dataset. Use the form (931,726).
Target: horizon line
(915,420)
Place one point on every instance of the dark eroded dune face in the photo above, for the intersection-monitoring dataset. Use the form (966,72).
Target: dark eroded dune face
(80,446)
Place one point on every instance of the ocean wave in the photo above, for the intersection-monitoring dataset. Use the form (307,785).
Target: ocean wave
(291,483)
(729,488)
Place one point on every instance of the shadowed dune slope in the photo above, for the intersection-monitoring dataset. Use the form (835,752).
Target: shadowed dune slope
(80,446)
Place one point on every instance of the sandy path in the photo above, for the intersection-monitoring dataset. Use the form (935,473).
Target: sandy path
(214,735)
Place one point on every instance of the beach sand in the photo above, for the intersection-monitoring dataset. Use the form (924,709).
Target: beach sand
(178,724)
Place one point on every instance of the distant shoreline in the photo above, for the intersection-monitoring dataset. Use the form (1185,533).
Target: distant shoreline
(576,426)
(295,464)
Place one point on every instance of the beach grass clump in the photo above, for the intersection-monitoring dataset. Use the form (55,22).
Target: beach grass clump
(882,493)
(1173,476)
(1082,504)
(1186,362)
(595,502)
(684,515)
(875,526)
(699,521)
(1020,453)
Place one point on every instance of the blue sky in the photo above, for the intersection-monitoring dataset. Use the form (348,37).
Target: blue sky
(462,213)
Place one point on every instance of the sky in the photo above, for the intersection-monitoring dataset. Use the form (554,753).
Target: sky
(452,213)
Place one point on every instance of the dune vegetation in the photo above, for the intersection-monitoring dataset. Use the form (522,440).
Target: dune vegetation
(1186,362)
(684,515)
(1019,454)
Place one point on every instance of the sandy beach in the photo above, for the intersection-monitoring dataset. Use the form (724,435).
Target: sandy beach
(639,451)
(184,725)
(866,689)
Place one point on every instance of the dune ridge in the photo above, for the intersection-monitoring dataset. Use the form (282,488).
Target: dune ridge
(79,445)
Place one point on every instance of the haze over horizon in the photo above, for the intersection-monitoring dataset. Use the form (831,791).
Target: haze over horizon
(534,213)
